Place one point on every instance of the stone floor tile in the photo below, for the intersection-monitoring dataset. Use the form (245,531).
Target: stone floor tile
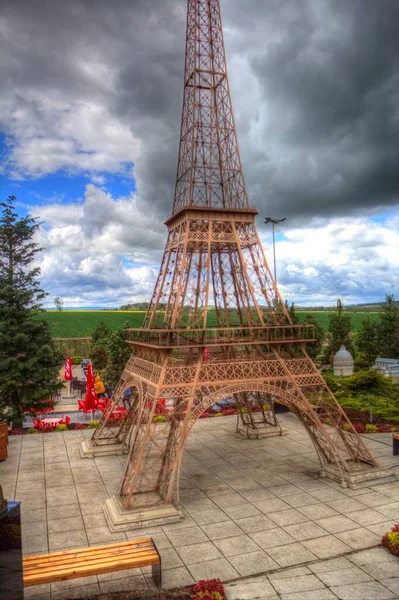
(345,505)
(34,544)
(213,569)
(102,535)
(333,564)
(73,583)
(256,495)
(121,574)
(383,570)
(287,517)
(392,584)
(179,577)
(206,517)
(381,529)
(390,510)
(37,590)
(317,511)
(170,559)
(253,563)
(366,517)
(63,512)
(271,506)
(231,499)
(232,546)
(305,531)
(271,538)
(224,529)
(337,524)
(320,594)
(288,573)
(292,554)
(66,524)
(359,538)
(258,588)
(301,499)
(253,524)
(371,590)
(326,494)
(374,499)
(285,490)
(37,528)
(372,556)
(326,547)
(192,535)
(198,552)
(344,576)
(86,591)
(242,510)
(67,539)
(127,583)
(301,583)
(92,507)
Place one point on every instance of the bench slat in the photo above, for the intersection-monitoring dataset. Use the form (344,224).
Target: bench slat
(84,571)
(91,549)
(49,567)
(95,560)
(50,559)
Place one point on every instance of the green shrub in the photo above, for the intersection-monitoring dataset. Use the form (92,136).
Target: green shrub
(371,428)
(219,414)
(93,424)
(328,421)
(347,427)
(61,427)
(76,360)
(32,430)
(266,407)
(159,419)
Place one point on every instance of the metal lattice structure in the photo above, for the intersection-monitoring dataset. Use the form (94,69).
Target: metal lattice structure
(213,258)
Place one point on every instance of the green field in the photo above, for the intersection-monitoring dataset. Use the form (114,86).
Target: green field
(71,324)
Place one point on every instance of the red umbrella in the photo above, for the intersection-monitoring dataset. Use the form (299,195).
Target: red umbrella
(68,368)
(91,399)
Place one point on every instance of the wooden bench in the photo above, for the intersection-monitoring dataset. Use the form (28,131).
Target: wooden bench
(96,560)
(395,444)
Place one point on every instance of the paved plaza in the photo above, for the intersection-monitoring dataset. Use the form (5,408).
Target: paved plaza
(256,515)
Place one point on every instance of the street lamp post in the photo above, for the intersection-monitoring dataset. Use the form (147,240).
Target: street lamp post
(274,222)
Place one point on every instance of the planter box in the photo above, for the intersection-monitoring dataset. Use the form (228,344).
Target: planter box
(3,440)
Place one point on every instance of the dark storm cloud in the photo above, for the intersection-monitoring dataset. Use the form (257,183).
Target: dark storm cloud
(317,99)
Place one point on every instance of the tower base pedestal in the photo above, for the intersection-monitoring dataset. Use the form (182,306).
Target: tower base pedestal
(360,476)
(260,433)
(86,450)
(120,519)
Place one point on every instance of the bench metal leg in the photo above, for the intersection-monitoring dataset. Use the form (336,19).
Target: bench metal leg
(395,446)
(156,569)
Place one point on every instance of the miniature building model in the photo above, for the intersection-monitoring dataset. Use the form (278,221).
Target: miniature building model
(343,363)
(182,363)
(388,367)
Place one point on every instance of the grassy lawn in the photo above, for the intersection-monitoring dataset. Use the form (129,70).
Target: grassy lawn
(82,323)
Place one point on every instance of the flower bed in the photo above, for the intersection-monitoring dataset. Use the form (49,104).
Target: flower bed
(391,540)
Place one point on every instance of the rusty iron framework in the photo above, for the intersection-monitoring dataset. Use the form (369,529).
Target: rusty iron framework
(213,258)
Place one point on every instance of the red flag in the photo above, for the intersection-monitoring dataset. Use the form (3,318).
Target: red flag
(91,399)
(68,369)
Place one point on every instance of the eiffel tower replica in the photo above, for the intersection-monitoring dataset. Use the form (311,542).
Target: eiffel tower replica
(216,326)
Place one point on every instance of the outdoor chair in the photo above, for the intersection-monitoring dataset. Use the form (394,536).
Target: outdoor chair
(37,424)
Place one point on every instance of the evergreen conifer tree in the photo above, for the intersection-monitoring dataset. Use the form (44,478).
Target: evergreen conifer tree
(29,360)
(340,326)
(98,348)
(388,329)
(367,342)
(314,348)
(119,353)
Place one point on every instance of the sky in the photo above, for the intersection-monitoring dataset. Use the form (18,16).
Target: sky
(90,108)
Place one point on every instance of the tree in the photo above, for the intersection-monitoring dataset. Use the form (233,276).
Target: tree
(119,353)
(388,329)
(58,303)
(98,347)
(366,341)
(314,348)
(29,360)
(292,312)
(340,326)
